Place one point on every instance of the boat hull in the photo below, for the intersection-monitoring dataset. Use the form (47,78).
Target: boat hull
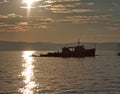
(85,53)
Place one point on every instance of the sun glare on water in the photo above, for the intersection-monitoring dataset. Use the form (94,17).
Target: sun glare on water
(28,74)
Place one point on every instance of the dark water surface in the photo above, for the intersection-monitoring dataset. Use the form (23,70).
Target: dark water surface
(22,74)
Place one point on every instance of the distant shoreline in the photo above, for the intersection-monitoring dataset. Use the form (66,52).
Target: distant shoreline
(46,46)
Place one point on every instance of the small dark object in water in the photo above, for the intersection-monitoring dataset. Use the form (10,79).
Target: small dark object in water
(118,54)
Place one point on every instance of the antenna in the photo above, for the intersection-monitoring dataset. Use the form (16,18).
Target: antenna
(78,42)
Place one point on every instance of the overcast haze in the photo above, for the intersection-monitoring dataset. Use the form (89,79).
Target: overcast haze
(60,20)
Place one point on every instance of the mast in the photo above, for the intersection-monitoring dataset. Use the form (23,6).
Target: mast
(78,42)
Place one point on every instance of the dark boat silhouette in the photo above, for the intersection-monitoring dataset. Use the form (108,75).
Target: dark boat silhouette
(77,51)
(118,54)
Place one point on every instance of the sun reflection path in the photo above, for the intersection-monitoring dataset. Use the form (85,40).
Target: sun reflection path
(28,73)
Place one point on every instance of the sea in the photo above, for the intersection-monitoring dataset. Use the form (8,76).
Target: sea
(22,74)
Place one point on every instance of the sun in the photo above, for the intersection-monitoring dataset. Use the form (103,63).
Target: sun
(28,2)
(29,5)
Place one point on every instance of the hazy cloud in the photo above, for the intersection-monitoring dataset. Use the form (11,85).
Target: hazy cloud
(64,10)
(15,23)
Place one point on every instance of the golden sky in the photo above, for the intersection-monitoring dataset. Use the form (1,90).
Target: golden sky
(60,20)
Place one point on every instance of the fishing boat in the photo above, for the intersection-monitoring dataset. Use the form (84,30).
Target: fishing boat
(76,51)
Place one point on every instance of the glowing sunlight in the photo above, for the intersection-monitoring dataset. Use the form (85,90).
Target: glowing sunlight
(28,2)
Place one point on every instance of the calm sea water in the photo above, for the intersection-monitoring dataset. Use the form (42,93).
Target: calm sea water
(22,74)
